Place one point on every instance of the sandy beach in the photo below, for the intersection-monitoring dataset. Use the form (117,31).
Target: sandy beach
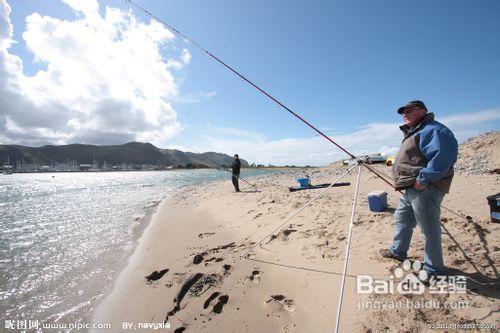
(187,269)
(123,125)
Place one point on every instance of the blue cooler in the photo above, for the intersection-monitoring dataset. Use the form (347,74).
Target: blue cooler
(304,182)
(377,200)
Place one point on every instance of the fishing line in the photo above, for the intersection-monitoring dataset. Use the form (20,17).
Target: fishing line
(225,171)
(299,267)
(150,14)
(461,215)
(297,212)
(239,75)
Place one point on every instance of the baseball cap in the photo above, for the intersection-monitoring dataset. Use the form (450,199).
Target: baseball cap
(412,104)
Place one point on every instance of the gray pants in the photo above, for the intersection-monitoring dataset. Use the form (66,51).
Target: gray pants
(422,207)
(235,182)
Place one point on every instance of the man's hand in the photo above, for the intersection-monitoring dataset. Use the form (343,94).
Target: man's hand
(419,186)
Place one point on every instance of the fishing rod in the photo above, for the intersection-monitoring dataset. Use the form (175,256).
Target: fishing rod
(224,170)
(210,54)
(239,75)
(283,106)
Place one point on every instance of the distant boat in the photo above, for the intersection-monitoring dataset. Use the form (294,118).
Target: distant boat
(7,168)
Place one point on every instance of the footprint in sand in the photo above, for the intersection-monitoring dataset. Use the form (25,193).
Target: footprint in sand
(255,276)
(213,259)
(284,235)
(286,304)
(198,258)
(155,276)
(220,304)
(227,269)
(210,299)
(206,234)
(288,328)
(204,283)
(179,277)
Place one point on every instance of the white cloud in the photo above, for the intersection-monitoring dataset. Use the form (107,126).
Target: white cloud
(183,148)
(104,79)
(179,64)
(6,28)
(235,133)
(384,138)
(193,97)
(469,124)
(314,150)
(471,118)
(186,56)
(87,7)
(174,64)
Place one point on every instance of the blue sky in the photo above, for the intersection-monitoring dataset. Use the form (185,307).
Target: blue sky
(343,65)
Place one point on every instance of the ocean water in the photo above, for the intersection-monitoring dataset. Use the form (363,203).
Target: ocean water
(64,236)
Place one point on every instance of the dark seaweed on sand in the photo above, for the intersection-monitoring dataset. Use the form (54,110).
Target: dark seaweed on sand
(184,289)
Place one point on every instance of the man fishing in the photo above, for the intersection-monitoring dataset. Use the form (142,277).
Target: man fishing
(423,168)
(236,166)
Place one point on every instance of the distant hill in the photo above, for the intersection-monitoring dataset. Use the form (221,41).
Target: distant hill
(480,154)
(132,153)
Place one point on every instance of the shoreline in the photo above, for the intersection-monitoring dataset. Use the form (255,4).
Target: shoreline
(159,170)
(201,230)
(140,224)
(141,221)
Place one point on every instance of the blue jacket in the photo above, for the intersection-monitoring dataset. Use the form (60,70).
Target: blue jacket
(427,155)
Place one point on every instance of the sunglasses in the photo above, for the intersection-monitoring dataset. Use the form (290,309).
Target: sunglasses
(410,110)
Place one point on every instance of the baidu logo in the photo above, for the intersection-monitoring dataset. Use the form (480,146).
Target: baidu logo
(411,278)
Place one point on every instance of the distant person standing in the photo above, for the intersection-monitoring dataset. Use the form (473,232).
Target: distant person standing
(236,166)
(423,169)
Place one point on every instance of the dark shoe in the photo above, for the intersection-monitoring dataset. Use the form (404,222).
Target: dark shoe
(237,191)
(436,279)
(386,253)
